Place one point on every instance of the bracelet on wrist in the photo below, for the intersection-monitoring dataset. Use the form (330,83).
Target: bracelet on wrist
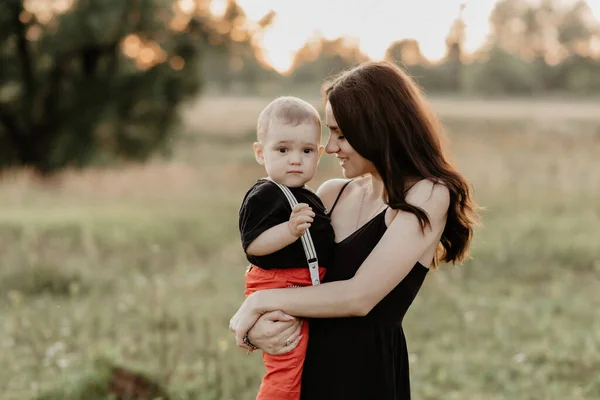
(249,344)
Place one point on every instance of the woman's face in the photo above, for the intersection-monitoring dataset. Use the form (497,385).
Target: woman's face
(352,163)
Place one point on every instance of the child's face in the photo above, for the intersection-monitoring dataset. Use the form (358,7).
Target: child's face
(289,153)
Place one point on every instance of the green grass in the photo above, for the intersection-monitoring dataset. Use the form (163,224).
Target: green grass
(142,268)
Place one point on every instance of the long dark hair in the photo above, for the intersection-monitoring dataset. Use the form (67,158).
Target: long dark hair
(385,118)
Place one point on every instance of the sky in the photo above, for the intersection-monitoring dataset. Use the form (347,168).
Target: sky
(374,23)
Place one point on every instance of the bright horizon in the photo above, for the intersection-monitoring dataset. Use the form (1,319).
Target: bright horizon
(374,24)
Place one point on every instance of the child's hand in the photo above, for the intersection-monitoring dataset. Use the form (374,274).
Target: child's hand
(300,219)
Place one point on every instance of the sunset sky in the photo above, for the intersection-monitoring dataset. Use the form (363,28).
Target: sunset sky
(375,23)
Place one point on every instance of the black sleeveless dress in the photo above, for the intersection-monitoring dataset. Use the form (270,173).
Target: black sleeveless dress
(361,358)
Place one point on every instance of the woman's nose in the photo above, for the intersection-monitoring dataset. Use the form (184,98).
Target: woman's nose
(331,146)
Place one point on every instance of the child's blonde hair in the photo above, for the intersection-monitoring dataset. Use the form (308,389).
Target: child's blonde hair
(289,110)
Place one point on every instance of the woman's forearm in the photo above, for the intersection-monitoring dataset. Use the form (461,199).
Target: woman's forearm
(328,300)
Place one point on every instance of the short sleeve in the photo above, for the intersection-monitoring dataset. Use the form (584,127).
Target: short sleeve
(261,209)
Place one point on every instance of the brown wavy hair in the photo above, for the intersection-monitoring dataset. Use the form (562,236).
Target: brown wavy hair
(384,116)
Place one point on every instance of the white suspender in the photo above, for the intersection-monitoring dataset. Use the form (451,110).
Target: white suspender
(307,242)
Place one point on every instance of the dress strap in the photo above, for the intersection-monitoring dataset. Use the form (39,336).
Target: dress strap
(338,196)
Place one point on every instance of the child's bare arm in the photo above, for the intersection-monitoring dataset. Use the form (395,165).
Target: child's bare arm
(284,234)
(271,240)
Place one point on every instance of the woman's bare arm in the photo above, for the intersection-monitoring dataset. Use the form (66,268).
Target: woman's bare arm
(400,248)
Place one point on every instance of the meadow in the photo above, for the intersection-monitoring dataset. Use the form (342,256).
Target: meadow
(124,279)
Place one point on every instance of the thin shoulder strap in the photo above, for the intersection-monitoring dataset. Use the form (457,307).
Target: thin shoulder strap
(338,196)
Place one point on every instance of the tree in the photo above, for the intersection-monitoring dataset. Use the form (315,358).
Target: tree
(405,51)
(95,78)
(507,25)
(579,75)
(233,60)
(503,73)
(454,47)
(321,58)
(553,41)
(577,28)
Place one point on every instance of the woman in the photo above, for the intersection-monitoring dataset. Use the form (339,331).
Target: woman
(403,208)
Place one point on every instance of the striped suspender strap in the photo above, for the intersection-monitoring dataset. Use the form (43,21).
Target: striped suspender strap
(307,242)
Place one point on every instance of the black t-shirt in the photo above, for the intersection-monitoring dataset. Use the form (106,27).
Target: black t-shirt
(265,206)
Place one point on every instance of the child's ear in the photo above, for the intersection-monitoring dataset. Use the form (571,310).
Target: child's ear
(321,148)
(258,153)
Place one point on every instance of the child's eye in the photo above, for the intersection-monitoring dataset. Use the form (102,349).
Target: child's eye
(308,151)
(282,150)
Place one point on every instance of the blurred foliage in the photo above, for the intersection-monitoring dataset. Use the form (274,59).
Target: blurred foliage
(321,58)
(534,48)
(99,80)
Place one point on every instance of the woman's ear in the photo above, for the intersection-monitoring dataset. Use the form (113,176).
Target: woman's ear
(258,153)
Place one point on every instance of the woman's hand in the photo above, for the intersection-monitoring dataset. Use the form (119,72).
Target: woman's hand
(244,319)
(276,333)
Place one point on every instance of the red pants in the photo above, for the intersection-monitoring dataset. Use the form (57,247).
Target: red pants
(284,372)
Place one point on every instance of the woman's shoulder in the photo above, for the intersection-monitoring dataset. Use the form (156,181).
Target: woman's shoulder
(329,190)
(429,194)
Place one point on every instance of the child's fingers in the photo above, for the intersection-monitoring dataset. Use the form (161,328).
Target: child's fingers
(303,220)
(299,207)
(300,223)
(306,211)
(300,219)
(303,227)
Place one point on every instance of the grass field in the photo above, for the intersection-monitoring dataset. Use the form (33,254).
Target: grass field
(141,267)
